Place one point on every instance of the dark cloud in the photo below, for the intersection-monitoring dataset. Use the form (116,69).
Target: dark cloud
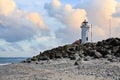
(116,15)
(13,30)
(2,49)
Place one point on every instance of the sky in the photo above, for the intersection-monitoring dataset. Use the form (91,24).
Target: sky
(28,27)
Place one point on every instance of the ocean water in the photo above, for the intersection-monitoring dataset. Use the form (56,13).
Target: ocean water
(9,60)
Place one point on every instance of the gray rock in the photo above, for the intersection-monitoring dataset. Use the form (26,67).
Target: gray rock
(87,58)
(78,62)
(102,49)
(109,56)
(58,55)
(112,60)
(98,54)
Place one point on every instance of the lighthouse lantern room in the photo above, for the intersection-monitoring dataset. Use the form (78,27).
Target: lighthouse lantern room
(84,31)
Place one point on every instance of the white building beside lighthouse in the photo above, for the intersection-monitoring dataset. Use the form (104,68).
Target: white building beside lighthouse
(84,31)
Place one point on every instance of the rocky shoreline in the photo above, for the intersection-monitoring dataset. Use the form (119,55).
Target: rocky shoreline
(90,61)
(109,49)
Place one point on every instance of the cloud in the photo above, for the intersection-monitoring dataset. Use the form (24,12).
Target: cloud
(36,19)
(66,14)
(70,17)
(17,25)
(117,13)
(28,47)
(99,14)
(22,32)
(7,7)
(26,29)
(98,11)
(13,29)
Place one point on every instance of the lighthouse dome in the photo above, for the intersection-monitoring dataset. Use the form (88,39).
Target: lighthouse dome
(84,24)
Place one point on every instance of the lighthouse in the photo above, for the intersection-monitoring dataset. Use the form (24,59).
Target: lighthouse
(84,31)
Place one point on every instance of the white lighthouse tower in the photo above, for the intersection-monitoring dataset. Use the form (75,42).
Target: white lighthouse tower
(84,31)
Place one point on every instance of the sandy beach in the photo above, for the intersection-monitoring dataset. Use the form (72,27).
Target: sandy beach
(61,69)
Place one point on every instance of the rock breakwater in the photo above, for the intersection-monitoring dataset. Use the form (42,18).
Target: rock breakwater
(109,48)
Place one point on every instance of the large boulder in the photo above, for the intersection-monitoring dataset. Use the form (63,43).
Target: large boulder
(99,43)
(28,60)
(117,54)
(98,54)
(103,51)
(94,53)
(58,55)
(43,57)
(78,62)
(87,58)
(72,57)
(115,49)
(114,42)
(109,56)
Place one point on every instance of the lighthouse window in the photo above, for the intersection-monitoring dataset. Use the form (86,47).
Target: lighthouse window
(87,38)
